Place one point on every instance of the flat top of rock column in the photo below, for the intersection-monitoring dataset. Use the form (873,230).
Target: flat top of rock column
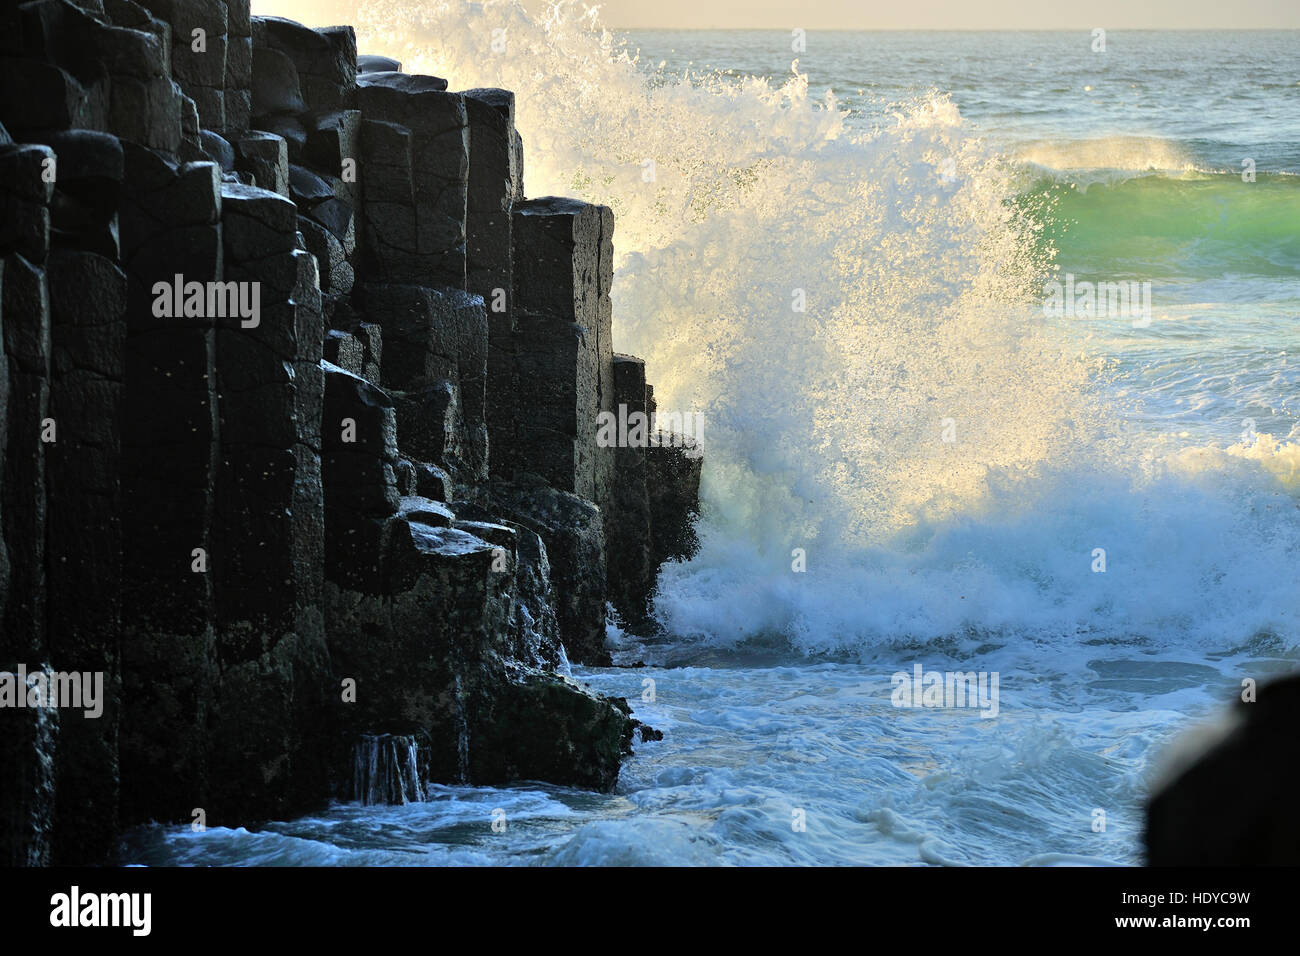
(373,63)
(266,207)
(403,82)
(503,101)
(551,206)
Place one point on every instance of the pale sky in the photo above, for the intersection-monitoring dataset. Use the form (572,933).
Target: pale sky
(902,14)
(953,14)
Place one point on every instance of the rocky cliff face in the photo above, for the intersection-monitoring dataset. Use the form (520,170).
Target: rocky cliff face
(298,430)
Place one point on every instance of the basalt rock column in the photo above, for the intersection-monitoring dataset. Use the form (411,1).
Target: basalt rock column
(564,360)
(199,53)
(167,319)
(631,566)
(268,555)
(83,551)
(414,605)
(415,161)
(237,98)
(435,366)
(27,333)
(673,466)
(170,226)
(324,59)
(495,184)
(359,458)
(83,69)
(572,529)
(27,735)
(304,83)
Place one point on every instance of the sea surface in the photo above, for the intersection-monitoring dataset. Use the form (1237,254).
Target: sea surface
(840,256)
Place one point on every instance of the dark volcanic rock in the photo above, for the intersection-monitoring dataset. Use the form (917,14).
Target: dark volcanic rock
(84,538)
(275,83)
(401,82)
(415,157)
(1232,806)
(359,442)
(563,268)
(335,271)
(268,521)
(324,60)
(424,658)
(333,138)
(218,150)
(573,531)
(170,225)
(547,727)
(629,544)
(25,198)
(27,736)
(289,128)
(430,660)
(265,157)
(209,226)
(372,63)
(83,211)
(432,481)
(673,479)
(436,356)
(495,183)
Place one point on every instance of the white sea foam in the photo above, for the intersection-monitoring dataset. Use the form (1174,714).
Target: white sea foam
(827,426)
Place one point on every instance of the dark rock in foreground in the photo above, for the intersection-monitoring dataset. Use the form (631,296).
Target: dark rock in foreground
(1235,805)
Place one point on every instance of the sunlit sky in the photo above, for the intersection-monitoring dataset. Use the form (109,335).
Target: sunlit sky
(895,14)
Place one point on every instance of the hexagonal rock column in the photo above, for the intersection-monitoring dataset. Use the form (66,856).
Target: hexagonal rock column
(170,226)
(632,570)
(24,240)
(435,367)
(673,479)
(414,176)
(83,547)
(495,184)
(359,455)
(237,83)
(325,59)
(86,71)
(563,269)
(199,44)
(268,556)
(27,736)
(573,531)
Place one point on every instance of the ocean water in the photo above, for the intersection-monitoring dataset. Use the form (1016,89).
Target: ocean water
(841,262)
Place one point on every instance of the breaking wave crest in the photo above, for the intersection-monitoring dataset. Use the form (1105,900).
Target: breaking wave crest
(854,313)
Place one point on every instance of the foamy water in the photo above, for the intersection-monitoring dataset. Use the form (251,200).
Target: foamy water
(942,459)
